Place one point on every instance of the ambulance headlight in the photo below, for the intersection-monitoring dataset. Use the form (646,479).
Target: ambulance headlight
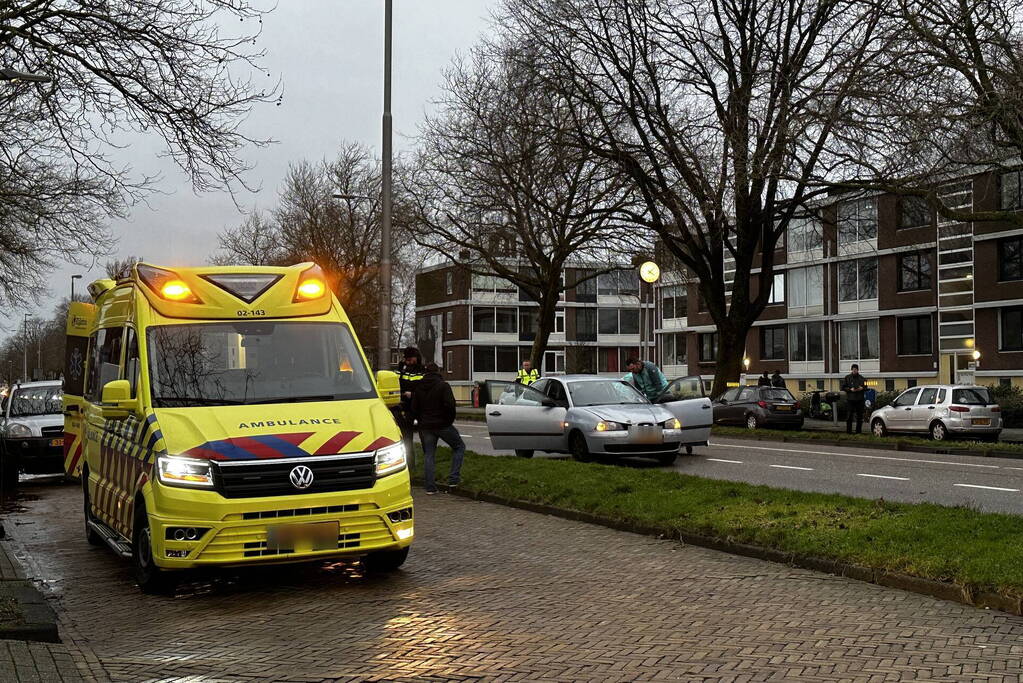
(390,459)
(16,430)
(175,471)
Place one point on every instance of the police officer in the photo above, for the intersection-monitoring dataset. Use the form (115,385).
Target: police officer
(410,373)
(527,374)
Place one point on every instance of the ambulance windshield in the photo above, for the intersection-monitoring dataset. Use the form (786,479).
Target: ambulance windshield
(238,363)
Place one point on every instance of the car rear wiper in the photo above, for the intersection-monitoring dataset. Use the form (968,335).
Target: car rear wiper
(293,399)
(201,400)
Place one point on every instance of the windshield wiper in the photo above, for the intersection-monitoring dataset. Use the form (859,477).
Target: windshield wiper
(293,399)
(201,400)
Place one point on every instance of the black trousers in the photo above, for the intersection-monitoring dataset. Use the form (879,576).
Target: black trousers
(854,408)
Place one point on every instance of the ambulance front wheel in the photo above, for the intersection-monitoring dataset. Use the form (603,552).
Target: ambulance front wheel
(150,578)
(385,560)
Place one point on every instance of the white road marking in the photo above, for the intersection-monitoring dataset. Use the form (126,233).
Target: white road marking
(737,462)
(882,476)
(989,488)
(791,467)
(857,455)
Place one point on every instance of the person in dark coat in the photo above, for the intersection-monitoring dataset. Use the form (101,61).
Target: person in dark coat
(764,380)
(854,387)
(433,407)
(777,381)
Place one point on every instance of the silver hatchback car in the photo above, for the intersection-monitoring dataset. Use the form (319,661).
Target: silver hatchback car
(941,410)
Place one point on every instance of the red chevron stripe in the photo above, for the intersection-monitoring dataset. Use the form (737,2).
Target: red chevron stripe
(335,443)
(380,443)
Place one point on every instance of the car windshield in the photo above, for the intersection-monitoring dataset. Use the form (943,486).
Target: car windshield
(603,393)
(250,362)
(29,401)
(777,395)
(977,396)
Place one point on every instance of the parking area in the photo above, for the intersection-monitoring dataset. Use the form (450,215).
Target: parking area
(496,593)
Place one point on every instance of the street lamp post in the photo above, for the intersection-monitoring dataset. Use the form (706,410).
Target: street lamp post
(649,272)
(384,338)
(24,348)
(73,278)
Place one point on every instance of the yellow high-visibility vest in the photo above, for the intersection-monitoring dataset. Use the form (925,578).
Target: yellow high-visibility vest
(528,378)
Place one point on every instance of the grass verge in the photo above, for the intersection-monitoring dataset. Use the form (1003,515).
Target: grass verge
(979,551)
(869,439)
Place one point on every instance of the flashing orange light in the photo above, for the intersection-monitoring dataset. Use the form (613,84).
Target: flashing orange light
(175,290)
(310,289)
(345,365)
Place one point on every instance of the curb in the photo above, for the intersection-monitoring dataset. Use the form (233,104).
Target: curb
(981,599)
(880,446)
(25,613)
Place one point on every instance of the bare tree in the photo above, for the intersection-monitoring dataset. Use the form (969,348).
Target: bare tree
(120,268)
(497,179)
(721,113)
(173,68)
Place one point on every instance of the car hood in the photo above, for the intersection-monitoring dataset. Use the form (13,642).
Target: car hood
(290,430)
(631,414)
(37,422)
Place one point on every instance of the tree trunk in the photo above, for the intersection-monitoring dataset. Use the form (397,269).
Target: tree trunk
(544,326)
(731,345)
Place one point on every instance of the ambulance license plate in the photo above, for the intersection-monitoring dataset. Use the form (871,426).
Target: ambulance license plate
(57,443)
(302,537)
(646,434)
(981,421)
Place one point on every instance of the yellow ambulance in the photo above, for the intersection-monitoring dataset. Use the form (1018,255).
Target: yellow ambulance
(226,416)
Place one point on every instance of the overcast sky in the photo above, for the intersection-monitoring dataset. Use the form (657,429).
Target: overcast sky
(329,55)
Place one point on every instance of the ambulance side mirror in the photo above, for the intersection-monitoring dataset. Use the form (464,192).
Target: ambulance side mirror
(389,387)
(117,402)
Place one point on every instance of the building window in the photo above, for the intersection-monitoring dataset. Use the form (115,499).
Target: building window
(449,322)
(507,358)
(910,383)
(618,283)
(1012,329)
(449,280)
(806,342)
(673,349)
(1011,195)
(914,212)
(492,284)
(674,302)
(914,272)
(607,359)
(802,385)
(559,322)
(449,361)
(889,384)
(857,221)
(586,324)
(857,280)
(585,291)
(608,320)
(708,347)
(806,286)
(628,321)
(772,343)
(486,319)
(483,359)
(777,295)
(804,234)
(1010,258)
(915,336)
(1005,382)
(857,340)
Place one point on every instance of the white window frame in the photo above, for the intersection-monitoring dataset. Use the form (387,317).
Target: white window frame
(449,361)
(559,321)
(865,209)
(773,297)
(449,281)
(449,322)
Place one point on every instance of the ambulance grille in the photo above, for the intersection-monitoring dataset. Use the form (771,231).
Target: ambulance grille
(347,472)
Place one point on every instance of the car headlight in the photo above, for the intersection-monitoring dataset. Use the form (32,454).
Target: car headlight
(16,430)
(673,423)
(177,471)
(608,426)
(390,459)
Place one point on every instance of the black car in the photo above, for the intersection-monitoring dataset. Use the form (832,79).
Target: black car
(758,407)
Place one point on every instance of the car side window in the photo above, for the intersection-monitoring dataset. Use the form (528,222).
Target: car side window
(747,394)
(521,395)
(685,388)
(556,392)
(907,398)
(540,385)
(941,395)
(730,395)
(131,360)
(928,395)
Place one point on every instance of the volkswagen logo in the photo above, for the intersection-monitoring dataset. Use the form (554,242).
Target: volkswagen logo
(301,477)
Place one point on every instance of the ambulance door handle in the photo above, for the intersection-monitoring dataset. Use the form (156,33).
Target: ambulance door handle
(71,409)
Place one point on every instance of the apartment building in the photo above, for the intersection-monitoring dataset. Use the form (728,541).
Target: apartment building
(881,281)
(480,327)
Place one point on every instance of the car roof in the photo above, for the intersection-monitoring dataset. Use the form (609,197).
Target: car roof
(585,378)
(947,386)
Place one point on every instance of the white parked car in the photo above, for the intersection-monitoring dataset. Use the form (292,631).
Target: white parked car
(32,430)
(941,410)
(589,416)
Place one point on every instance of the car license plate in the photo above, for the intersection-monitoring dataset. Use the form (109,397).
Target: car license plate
(646,434)
(302,537)
(784,408)
(57,443)
(981,421)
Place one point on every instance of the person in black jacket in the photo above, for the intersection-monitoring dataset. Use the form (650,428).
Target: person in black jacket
(855,398)
(777,381)
(433,406)
(764,380)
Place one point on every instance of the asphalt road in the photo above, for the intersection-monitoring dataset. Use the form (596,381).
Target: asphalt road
(988,484)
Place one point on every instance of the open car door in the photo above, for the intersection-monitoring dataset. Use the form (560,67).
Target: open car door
(522,418)
(685,398)
(80,318)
